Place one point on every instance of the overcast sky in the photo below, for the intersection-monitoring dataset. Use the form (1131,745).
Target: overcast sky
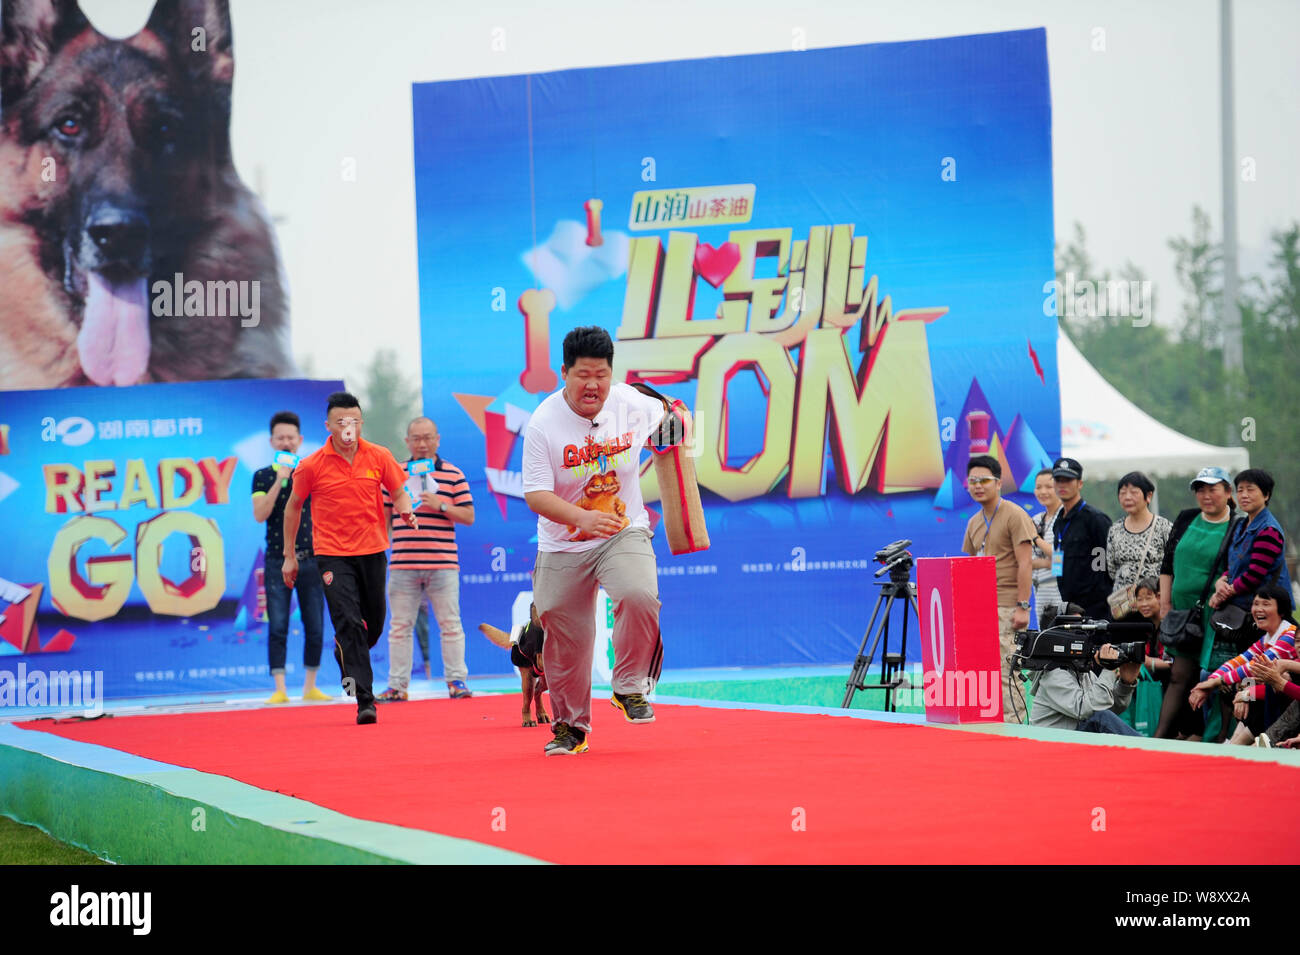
(1135,126)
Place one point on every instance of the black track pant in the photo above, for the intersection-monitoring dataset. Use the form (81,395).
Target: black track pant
(354,592)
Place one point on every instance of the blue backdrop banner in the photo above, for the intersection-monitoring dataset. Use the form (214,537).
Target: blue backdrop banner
(836,258)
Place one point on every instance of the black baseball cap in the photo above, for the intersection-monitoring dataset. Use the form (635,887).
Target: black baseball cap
(1067,468)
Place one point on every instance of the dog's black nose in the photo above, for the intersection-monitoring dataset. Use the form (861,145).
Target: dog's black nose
(119,235)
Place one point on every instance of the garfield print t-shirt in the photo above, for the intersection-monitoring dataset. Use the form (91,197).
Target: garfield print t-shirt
(593,464)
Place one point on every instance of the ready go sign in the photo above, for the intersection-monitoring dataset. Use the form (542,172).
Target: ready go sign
(104,587)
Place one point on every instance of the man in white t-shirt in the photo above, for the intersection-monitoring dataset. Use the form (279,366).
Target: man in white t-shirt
(582,453)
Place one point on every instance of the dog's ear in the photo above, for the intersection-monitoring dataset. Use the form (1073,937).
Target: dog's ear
(30,33)
(197,32)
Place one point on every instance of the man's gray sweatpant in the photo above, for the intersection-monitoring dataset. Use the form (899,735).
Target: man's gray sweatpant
(564,589)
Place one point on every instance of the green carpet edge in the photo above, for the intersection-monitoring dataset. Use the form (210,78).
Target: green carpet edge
(183,816)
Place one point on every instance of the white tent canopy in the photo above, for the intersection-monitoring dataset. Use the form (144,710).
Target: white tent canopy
(1110,436)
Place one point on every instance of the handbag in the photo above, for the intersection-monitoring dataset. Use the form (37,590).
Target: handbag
(1234,623)
(1121,601)
(1143,714)
(1183,628)
(1228,619)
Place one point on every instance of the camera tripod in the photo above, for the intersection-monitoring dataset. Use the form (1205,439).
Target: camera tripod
(893,665)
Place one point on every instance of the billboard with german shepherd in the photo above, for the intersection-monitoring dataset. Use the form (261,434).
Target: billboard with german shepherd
(130,251)
(835,257)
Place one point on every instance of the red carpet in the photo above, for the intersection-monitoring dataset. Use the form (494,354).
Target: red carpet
(713,785)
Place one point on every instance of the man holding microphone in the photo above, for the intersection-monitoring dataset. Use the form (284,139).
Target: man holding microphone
(271,490)
(350,537)
(425,565)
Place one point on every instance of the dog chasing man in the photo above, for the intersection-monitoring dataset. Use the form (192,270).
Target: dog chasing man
(272,487)
(580,462)
(350,537)
(526,654)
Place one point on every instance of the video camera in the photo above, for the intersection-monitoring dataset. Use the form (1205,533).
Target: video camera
(897,560)
(1072,641)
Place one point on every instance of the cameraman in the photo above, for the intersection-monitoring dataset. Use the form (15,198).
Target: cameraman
(1069,700)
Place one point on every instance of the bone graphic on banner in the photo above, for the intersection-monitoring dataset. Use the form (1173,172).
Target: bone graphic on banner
(537,305)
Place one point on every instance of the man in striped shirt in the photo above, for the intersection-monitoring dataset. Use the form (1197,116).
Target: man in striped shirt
(424,565)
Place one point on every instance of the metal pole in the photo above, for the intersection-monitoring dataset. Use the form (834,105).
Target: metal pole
(1233,365)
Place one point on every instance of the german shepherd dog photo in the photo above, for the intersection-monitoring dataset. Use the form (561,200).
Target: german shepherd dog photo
(129,249)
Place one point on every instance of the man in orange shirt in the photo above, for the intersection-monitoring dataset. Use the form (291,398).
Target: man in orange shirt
(350,537)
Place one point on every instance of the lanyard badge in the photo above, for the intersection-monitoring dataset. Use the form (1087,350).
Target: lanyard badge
(988,526)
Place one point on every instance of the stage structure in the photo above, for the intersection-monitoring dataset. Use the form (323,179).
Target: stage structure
(835,257)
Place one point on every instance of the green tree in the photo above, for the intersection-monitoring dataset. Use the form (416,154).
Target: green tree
(1111,342)
(1270,317)
(1209,402)
(389,402)
(1094,322)
(1175,372)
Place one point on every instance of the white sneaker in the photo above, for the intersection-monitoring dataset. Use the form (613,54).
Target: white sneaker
(1263,740)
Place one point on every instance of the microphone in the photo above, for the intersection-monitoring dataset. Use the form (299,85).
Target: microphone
(285,459)
(1119,627)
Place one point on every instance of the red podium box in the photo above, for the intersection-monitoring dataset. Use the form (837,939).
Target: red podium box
(958,602)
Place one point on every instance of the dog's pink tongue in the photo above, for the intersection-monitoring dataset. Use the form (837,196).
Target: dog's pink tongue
(114,339)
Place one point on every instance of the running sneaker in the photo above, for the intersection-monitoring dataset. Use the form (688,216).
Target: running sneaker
(279,696)
(568,741)
(316,694)
(458,690)
(366,714)
(392,696)
(636,708)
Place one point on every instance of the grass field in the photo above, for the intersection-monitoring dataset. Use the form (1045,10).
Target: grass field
(792,691)
(26,845)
